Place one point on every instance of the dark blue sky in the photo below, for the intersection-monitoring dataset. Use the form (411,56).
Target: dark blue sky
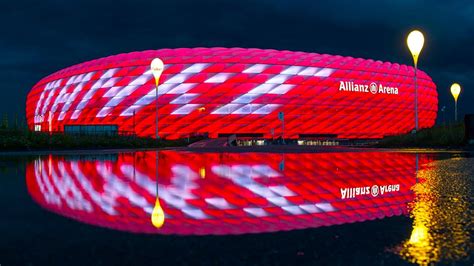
(40,37)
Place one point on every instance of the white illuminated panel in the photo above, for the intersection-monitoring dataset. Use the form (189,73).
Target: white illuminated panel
(295,210)
(127,90)
(274,85)
(257,212)
(317,208)
(246,98)
(247,109)
(118,94)
(131,110)
(325,72)
(106,203)
(94,88)
(226,109)
(178,78)
(75,114)
(114,101)
(325,207)
(114,184)
(195,213)
(292,70)
(141,80)
(145,100)
(278,79)
(255,69)
(282,190)
(219,78)
(309,71)
(263,88)
(109,73)
(195,68)
(112,91)
(265,171)
(88,76)
(71,99)
(41,98)
(45,185)
(185,98)
(181,88)
(282,89)
(70,80)
(219,203)
(185,109)
(104,111)
(279,201)
(58,99)
(149,98)
(110,83)
(68,190)
(61,116)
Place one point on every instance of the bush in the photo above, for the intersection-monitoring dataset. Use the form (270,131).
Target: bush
(11,139)
(437,136)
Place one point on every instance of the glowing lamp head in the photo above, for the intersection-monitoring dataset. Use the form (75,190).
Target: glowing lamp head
(415,41)
(157,215)
(455,90)
(157,68)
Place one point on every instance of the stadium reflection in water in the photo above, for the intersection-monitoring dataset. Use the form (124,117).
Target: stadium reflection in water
(239,193)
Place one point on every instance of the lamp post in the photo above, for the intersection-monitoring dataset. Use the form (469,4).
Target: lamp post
(157,67)
(455,91)
(415,41)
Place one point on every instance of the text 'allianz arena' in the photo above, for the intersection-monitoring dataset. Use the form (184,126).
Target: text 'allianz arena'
(222,91)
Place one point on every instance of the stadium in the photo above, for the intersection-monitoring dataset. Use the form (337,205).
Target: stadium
(224,91)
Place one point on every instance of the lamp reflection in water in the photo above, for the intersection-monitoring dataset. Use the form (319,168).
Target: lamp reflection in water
(441,216)
(157,215)
(202,172)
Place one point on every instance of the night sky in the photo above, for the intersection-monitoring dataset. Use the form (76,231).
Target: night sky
(41,37)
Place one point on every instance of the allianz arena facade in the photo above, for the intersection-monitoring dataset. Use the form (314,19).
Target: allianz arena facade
(223,91)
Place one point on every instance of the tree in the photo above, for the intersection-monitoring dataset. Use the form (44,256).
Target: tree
(4,124)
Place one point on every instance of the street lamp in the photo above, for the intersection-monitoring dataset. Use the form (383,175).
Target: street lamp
(455,91)
(157,67)
(415,41)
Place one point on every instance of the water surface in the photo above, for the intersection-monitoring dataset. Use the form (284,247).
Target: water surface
(178,207)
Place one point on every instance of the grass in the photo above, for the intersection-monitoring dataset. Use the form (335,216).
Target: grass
(22,139)
(450,136)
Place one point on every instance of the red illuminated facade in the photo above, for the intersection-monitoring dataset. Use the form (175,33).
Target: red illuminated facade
(225,193)
(219,91)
